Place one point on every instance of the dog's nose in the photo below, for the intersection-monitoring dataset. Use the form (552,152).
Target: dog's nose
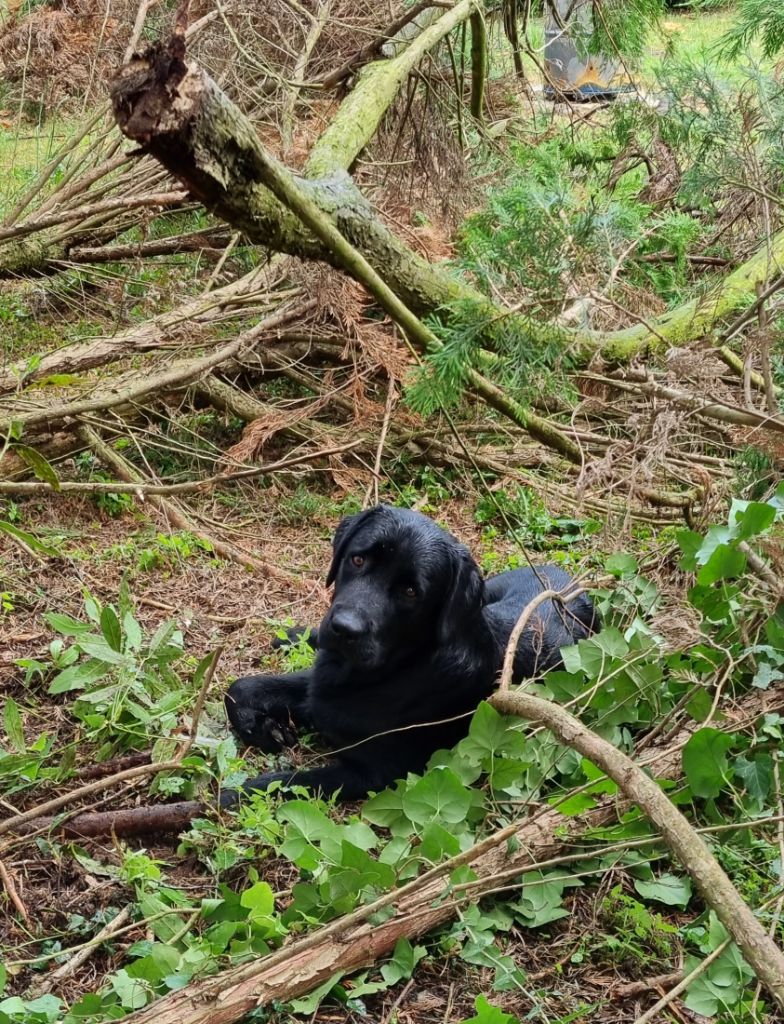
(347,624)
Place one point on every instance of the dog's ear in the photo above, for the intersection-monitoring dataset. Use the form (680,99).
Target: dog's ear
(465,597)
(347,528)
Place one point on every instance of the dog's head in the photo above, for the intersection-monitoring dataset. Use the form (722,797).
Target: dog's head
(403,586)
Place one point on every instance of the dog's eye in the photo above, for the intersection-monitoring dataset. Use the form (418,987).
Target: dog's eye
(410,591)
(358,560)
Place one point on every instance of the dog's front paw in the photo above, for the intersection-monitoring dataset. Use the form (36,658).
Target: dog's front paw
(258,715)
(259,727)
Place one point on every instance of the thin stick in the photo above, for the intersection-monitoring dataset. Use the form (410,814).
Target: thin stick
(13,894)
(199,705)
(187,487)
(122,204)
(57,802)
(373,485)
(522,622)
(82,955)
(683,984)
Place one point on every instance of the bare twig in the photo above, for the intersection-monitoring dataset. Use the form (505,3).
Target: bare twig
(525,617)
(13,893)
(186,487)
(82,955)
(683,984)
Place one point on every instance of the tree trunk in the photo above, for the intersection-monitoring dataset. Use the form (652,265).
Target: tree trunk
(184,120)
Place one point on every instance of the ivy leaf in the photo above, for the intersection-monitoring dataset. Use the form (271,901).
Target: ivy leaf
(310,1003)
(540,902)
(725,563)
(751,518)
(438,796)
(765,675)
(404,959)
(491,733)
(667,888)
(132,992)
(621,564)
(487,1014)
(757,775)
(437,843)
(705,762)
(308,828)
(386,810)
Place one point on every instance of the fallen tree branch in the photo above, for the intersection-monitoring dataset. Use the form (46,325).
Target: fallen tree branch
(124,822)
(187,487)
(205,240)
(58,802)
(159,332)
(175,516)
(203,103)
(136,389)
(184,121)
(718,892)
(120,204)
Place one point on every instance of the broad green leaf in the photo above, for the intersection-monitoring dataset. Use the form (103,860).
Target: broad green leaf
(667,888)
(110,627)
(40,466)
(621,564)
(705,762)
(404,959)
(438,796)
(258,899)
(752,520)
(386,810)
(166,927)
(77,677)
(12,722)
(307,829)
(491,733)
(132,992)
(757,775)
(725,563)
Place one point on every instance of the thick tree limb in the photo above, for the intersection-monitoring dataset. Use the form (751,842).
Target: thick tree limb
(150,109)
(716,889)
(184,120)
(357,120)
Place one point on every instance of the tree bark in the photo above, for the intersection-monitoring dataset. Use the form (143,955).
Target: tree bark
(184,120)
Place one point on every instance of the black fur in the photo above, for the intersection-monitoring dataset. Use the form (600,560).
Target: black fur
(414,635)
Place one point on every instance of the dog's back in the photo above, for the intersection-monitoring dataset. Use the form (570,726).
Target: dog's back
(553,625)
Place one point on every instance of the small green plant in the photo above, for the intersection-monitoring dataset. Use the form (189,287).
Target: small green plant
(520,512)
(635,934)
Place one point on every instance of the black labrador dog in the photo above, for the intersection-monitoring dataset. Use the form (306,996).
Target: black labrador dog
(413,641)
